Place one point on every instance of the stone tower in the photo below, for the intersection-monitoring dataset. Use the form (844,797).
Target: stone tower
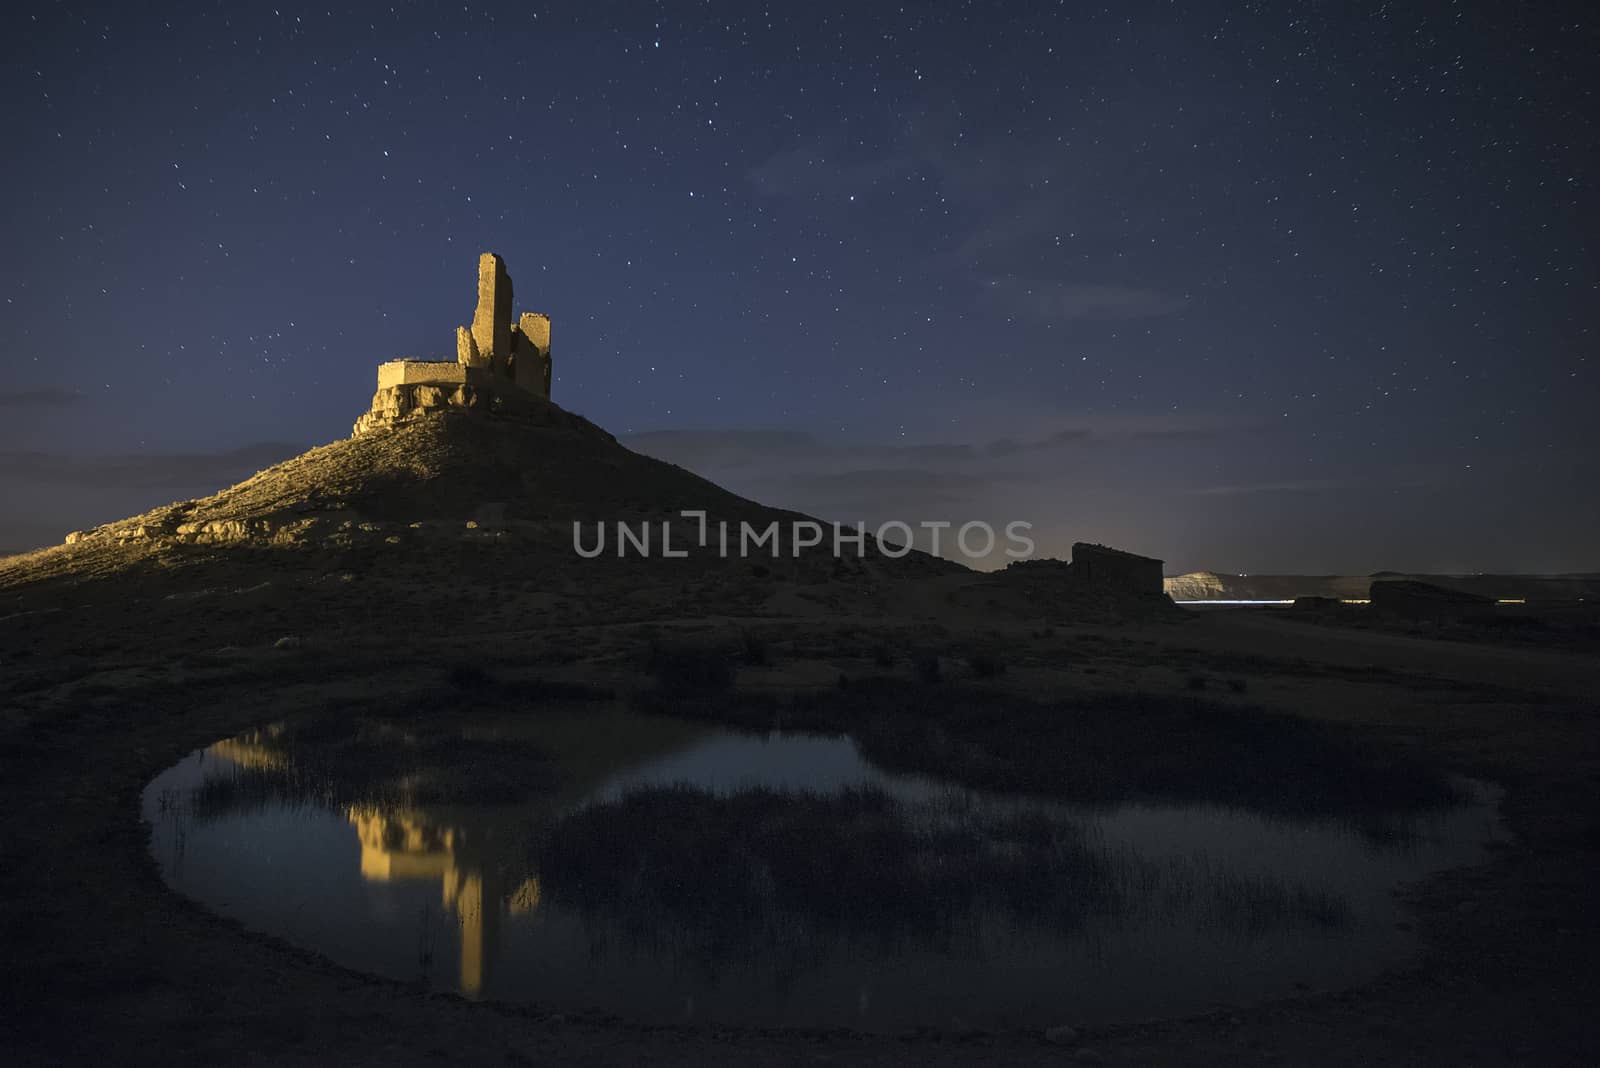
(501,364)
(491,323)
(530,353)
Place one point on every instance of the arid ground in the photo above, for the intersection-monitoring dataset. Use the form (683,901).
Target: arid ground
(108,679)
(428,569)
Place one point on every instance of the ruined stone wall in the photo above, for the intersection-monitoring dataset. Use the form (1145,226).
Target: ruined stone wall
(1099,565)
(530,353)
(408,372)
(536,328)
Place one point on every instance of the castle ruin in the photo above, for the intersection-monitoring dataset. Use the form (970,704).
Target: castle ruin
(1101,565)
(499,364)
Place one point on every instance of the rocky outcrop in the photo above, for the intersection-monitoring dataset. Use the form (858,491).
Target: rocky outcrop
(1196,586)
(1220,586)
(480,395)
(211,531)
(391,405)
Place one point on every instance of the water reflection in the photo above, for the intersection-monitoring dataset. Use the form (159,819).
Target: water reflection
(666,871)
(405,846)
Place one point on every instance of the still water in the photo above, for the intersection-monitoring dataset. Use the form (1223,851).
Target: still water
(665,871)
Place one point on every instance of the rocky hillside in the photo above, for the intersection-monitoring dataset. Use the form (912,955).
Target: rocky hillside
(455,475)
(455,526)
(447,522)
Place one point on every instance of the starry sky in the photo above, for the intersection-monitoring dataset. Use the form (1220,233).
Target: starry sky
(1304,287)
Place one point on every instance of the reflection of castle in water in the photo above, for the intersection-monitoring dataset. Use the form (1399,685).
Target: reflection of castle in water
(411,846)
(477,853)
(404,846)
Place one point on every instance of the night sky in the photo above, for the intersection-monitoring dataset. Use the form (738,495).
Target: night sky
(1288,287)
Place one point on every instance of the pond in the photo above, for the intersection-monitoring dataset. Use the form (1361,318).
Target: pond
(589,860)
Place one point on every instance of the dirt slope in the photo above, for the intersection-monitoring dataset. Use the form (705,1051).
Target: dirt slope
(423,484)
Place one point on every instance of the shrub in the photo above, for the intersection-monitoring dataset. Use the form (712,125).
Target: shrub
(928,668)
(687,669)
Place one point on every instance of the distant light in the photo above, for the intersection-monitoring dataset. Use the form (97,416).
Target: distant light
(1512,600)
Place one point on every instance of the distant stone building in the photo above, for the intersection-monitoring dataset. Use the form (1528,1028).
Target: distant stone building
(499,364)
(1100,565)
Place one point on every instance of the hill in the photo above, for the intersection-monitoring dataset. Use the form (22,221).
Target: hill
(443,528)
(436,478)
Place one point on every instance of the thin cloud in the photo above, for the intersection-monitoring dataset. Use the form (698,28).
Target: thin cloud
(144,470)
(876,492)
(876,480)
(737,448)
(731,449)
(818,168)
(1014,196)
(724,448)
(1309,485)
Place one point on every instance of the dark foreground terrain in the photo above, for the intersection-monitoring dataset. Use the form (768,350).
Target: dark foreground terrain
(108,682)
(427,572)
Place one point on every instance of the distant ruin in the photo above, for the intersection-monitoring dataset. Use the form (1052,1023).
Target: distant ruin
(1094,567)
(1101,565)
(500,365)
